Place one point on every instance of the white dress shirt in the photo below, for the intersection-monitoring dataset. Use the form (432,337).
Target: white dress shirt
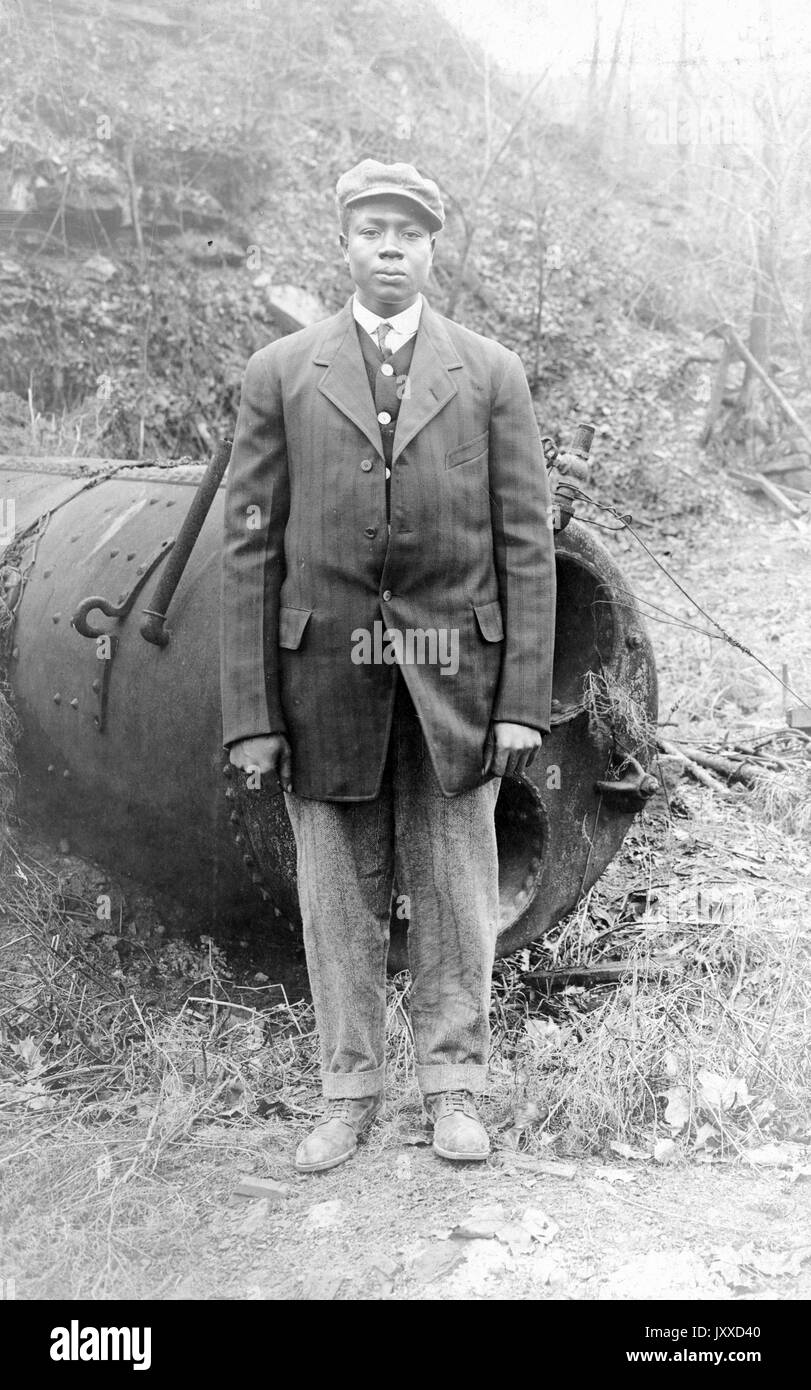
(404,325)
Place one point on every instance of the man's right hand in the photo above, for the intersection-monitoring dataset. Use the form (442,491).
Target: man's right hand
(267,753)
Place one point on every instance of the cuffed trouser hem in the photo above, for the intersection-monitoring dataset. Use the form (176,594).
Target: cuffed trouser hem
(340,1085)
(454,1076)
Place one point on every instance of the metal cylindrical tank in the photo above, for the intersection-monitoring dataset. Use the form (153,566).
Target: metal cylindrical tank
(121,748)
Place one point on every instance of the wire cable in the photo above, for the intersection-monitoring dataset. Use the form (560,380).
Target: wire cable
(580,495)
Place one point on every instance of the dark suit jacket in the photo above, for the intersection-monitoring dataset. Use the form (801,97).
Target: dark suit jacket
(308,562)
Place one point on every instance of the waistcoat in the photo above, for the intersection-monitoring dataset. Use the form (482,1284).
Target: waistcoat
(387,390)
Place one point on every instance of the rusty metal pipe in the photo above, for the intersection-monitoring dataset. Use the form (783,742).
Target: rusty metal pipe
(152,626)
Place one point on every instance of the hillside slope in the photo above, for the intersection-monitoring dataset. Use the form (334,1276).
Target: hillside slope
(162,173)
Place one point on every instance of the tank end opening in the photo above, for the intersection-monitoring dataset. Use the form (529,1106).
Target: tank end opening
(521,836)
(585,632)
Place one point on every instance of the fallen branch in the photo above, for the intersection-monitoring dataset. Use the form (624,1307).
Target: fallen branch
(776,495)
(608,971)
(754,480)
(705,778)
(739,771)
(729,335)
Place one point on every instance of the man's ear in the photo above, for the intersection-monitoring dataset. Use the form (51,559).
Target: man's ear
(344,246)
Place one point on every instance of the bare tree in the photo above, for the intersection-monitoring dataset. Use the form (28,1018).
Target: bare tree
(492,158)
(608,90)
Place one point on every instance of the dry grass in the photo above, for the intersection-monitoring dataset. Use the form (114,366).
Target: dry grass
(719,983)
(82,431)
(785,801)
(607,1074)
(613,711)
(174,1042)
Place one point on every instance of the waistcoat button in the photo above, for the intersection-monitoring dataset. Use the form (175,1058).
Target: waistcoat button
(384,417)
(387,369)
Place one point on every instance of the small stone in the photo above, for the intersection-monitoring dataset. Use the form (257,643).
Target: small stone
(540,1226)
(100,267)
(516,1236)
(436,1261)
(481,1223)
(267,1188)
(324,1215)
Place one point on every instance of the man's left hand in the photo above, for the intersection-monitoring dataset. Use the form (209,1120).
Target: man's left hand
(509,749)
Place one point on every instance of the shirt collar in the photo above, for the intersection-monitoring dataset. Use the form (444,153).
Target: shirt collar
(405,323)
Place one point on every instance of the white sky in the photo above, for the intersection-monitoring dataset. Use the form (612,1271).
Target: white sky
(528,35)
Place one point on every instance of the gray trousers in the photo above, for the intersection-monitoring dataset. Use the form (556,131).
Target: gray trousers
(443,850)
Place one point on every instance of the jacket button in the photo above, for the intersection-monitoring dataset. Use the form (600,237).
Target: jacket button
(387,595)
(370,531)
(366,465)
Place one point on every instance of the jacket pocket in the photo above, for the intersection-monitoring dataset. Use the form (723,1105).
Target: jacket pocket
(292,622)
(490,620)
(466,453)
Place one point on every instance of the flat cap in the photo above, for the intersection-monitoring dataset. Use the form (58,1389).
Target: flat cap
(371,179)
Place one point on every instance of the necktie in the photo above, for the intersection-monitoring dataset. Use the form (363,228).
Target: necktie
(383,330)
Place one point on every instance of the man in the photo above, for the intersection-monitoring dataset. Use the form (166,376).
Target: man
(387,640)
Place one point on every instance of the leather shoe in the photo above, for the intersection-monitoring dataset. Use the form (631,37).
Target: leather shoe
(458,1132)
(335,1138)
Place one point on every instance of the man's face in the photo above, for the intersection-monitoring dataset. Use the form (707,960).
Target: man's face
(389,251)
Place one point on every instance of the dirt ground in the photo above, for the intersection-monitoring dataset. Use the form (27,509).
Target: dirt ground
(398,1222)
(610,1233)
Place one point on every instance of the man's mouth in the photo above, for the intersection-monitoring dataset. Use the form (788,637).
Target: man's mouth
(391,274)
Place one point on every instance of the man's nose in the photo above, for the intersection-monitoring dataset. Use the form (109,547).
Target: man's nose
(391,246)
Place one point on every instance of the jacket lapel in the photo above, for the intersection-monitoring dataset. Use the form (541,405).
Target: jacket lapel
(346,384)
(430,385)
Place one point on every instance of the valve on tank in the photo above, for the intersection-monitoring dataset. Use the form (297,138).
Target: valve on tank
(565,470)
